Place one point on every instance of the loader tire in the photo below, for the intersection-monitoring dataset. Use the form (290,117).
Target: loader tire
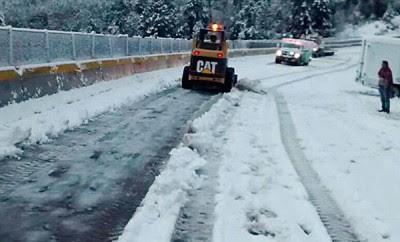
(229,80)
(186,83)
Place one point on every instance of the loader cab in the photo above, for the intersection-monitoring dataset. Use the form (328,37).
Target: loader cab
(209,61)
(211,40)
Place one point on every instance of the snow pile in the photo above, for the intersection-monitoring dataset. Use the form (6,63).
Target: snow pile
(155,219)
(379,27)
(160,208)
(40,120)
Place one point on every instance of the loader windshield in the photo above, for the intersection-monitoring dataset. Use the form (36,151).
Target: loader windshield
(211,40)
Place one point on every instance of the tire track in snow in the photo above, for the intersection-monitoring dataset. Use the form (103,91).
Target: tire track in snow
(335,222)
(196,218)
(337,226)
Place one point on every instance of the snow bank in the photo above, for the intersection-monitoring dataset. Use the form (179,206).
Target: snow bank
(40,120)
(155,219)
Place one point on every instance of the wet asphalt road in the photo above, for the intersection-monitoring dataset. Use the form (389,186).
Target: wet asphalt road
(85,185)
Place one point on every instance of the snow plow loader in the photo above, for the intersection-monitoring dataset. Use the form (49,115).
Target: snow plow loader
(209,61)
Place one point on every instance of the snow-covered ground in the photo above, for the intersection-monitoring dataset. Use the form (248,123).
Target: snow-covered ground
(259,196)
(353,147)
(42,119)
(379,27)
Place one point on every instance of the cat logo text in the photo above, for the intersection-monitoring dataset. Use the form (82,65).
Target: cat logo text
(206,67)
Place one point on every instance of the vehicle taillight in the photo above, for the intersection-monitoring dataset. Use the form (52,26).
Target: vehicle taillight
(220,55)
(196,52)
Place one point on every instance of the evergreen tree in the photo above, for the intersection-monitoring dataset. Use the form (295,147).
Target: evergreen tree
(121,17)
(390,13)
(301,20)
(321,16)
(235,25)
(247,19)
(2,19)
(116,17)
(195,17)
(270,18)
(158,19)
(379,7)
(281,17)
(365,8)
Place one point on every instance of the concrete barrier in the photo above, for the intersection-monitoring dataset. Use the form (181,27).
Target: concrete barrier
(10,87)
(35,82)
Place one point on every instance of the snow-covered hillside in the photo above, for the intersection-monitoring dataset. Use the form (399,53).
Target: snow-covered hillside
(378,27)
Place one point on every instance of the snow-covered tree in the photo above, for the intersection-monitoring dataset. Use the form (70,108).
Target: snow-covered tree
(379,7)
(301,23)
(365,8)
(116,17)
(281,19)
(321,17)
(243,26)
(121,18)
(390,13)
(194,17)
(272,17)
(2,19)
(158,19)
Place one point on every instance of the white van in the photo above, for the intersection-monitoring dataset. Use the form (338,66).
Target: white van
(374,51)
(295,51)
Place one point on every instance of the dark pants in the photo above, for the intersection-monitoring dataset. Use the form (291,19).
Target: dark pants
(385,98)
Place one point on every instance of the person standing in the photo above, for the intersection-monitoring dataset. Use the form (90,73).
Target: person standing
(385,85)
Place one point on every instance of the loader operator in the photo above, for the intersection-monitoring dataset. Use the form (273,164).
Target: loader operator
(385,86)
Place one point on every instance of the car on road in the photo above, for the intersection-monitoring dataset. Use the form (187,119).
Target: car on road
(320,49)
(294,51)
(209,61)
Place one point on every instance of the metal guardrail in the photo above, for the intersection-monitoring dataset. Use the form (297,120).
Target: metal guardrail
(20,47)
(252,44)
(29,46)
(340,43)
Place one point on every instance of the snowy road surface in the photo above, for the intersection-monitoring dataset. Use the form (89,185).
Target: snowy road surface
(84,186)
(233,173)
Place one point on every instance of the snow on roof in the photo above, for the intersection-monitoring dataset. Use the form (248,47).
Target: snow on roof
(298,41)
